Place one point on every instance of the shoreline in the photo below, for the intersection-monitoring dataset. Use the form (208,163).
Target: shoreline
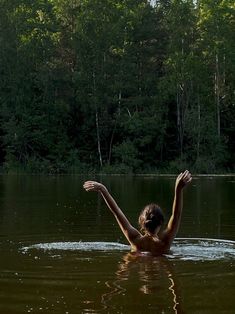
(117,174)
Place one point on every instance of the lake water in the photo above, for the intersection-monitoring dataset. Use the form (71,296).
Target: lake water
(62,251)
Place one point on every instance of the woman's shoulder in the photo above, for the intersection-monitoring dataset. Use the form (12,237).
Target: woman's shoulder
(151,244)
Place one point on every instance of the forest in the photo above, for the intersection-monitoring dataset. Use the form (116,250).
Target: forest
(117,86)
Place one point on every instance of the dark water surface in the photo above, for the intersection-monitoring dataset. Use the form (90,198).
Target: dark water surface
(56,255)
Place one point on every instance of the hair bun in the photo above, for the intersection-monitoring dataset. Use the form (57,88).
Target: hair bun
(149,223)
(151,218)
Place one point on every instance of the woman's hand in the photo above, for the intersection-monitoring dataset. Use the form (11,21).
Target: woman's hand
(183,179)
(94,186)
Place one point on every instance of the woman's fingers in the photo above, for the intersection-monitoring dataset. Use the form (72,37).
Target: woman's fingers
(187,177)
(184,178)
(89,185)
(185,174)
(180,176)
(188,180)
(92,186)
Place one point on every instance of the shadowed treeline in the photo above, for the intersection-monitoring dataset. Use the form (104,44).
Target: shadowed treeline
(117,86)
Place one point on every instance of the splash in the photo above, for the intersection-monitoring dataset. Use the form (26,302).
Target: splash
(202,249)
(194,249)
(78,246)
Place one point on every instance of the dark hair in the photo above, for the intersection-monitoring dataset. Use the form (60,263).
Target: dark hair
(150,218)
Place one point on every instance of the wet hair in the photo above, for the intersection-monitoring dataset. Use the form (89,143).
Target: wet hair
(151,217)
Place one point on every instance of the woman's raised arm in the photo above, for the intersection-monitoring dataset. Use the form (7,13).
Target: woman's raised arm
(182,180)
(128,230)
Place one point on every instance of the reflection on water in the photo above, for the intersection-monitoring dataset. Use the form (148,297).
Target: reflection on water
(63,270)
(109,281)
(151,273)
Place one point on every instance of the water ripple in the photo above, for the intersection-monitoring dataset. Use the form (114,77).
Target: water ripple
(202,249)
(195,249)
(79,246)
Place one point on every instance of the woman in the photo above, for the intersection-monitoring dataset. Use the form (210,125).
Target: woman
(150,219)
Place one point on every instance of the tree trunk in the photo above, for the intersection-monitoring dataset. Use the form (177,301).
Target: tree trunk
(97,121)
(198,125)
(217,93)
(179,120)
(98,137)
(114,129)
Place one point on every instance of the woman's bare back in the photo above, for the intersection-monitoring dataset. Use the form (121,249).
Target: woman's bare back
(153,245)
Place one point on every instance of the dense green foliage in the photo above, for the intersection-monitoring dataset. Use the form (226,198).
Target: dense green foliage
(117,85)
